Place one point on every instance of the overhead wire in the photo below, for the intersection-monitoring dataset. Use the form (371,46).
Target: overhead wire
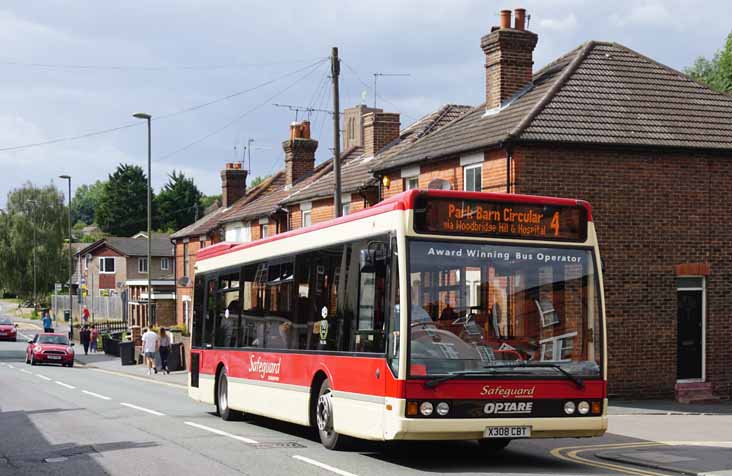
(163,116)
(146,68)
(241,116)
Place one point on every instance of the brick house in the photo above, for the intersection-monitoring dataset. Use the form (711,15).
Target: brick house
(117,266)
(651,150)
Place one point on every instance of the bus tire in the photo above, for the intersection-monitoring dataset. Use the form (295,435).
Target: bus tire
(222,398)
(324,419)
(493,445)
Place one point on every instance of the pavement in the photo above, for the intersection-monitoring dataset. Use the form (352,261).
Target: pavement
(104,418)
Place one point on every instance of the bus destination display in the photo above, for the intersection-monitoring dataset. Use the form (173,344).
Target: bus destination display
(437,215)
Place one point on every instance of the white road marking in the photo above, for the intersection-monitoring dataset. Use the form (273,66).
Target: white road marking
(323,465)
(221,432)
(26,372)
(43,377)
(65,385)
(96,395)
(152,412)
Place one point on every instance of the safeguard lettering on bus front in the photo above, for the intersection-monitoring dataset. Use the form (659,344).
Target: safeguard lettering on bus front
(434,215)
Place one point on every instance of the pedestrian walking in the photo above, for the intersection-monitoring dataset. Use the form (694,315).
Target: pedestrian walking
(85,316)
(94,335)
(164,350)
(150,344)
(46,320)
(85,337)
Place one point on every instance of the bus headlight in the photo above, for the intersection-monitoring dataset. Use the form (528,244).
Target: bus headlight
(426,409)
(583,408)
(443,408)
(569,408)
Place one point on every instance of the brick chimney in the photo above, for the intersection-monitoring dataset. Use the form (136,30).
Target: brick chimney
(379,129)
(353,120)
(233,184)
(508,58)
(299,152)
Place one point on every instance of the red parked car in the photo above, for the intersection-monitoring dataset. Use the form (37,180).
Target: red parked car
(7,329)
(50,349)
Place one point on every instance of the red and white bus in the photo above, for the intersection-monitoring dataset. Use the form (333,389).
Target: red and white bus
(432,315)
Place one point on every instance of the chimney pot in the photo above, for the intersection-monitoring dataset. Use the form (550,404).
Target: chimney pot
(505,19)
(520,19)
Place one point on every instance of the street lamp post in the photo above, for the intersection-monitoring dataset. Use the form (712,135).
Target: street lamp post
(147,117)
(33,224)
(71,263)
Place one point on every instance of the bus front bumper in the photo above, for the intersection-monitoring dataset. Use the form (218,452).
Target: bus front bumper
(401,428)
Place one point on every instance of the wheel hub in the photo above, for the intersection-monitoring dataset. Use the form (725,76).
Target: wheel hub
(223,403)
(325,413)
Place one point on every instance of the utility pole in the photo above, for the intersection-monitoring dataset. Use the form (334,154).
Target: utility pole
(335,69)
(71,265)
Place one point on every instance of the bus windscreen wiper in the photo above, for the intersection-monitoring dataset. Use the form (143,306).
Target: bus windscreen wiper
(438,380)
(574,378)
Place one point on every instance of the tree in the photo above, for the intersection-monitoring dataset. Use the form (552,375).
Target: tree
(715,73)
(208,200)
(179,203)
(41,210)
(122,209)
(257,180)
(85,201)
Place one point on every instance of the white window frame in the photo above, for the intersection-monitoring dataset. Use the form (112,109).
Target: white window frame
(411,183)
(306,209)
(103,268)
(703,289)
(263,230)
(556,349)
(142,262)
(164,264)
(467,168)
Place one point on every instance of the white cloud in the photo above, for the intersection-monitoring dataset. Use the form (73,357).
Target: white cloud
(566,24)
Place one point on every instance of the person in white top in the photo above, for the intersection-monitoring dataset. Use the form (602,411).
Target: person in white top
(150,343)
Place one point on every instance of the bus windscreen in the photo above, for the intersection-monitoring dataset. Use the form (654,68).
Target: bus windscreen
(532,221)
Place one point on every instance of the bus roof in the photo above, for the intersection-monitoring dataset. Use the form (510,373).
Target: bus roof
(401,201)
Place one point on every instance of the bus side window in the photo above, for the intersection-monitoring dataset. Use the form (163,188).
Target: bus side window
(199,291)
(370,288)
(210,312)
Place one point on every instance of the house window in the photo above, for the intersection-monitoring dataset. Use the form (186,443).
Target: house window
(306,218)
(106,265)
(345,208)
(186,260)
(473,178)
(142,265)
(263,231)
(558,348)
(411,183)
(164,265)
(87,260)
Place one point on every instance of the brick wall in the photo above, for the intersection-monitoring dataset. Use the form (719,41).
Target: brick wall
(652,211)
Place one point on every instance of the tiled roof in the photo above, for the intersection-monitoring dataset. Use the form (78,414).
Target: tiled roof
(200,227)
(599,93)
(618,96)
(354,175)
(160,245)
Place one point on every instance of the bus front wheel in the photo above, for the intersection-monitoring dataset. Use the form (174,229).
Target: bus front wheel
(324,419)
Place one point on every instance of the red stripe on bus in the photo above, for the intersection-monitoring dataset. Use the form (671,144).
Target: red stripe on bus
(359,375)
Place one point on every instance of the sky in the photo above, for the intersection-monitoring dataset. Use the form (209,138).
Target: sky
(69,68)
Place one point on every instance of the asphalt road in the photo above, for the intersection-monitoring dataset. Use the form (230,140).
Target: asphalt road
(56,420)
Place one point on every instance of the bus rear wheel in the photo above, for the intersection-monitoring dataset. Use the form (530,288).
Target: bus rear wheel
(493,445)
(222,399)
(324,419)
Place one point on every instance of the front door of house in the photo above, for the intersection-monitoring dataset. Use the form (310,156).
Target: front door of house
(690,345)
